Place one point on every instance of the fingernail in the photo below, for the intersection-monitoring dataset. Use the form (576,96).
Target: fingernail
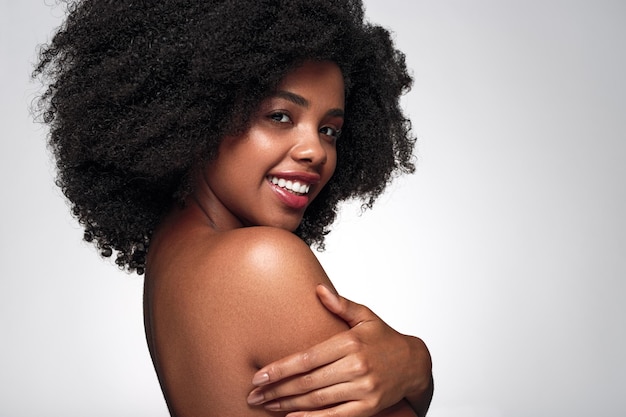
(329,291)
(260,379)
(255,398)
(273,406)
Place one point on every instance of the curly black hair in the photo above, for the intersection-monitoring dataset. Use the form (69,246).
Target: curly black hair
(138,93)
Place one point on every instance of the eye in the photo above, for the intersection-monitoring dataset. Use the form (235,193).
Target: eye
(280,117)
(330,131)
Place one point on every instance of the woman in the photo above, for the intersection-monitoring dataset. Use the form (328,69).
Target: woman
(193,138)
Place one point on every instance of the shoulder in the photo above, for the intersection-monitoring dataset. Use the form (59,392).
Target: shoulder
(188,254)
(245,281)
(266,253)
(263,240)
(271,273)
(223,305)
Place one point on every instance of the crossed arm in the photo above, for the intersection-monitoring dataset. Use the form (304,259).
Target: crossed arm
(224,314)
(365,369)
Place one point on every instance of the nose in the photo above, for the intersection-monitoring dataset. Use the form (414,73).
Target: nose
(310,147)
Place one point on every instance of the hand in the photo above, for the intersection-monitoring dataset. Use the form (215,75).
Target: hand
(358,372)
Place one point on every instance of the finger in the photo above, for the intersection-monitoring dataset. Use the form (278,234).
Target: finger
(349,311)
(323,353)
(347,409)
(297,386)
(330,300)
(340,372)
(315,400)
(305,396)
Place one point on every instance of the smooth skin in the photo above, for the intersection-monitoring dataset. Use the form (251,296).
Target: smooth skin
(369,357)
(230,290)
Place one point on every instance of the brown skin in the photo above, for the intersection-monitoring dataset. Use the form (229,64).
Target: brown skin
(225,295)
(379,353)
(227,306)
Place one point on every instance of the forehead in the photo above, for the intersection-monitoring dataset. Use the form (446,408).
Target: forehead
(313,69)
(315,78)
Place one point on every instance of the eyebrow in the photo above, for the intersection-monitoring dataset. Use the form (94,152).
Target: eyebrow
(303,102)
(294,98)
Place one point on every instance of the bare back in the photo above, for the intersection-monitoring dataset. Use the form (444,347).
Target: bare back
(220,305)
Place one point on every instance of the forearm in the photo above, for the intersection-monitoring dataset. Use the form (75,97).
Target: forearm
(421,392)
(421,402)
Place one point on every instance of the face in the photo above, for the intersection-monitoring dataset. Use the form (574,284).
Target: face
(269,175)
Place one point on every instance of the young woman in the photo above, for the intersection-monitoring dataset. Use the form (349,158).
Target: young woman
(208,144)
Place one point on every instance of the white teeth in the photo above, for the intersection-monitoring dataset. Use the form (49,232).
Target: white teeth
(293,186)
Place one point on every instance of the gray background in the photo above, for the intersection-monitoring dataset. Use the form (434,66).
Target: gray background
(505,251)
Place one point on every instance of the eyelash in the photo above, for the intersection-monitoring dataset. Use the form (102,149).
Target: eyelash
(278,117)
(335,134)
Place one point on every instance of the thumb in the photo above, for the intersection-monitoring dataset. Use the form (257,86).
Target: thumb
(349,311)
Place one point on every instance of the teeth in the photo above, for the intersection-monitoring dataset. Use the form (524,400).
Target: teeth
(293,186)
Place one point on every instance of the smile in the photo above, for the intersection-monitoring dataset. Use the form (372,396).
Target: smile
(295,187)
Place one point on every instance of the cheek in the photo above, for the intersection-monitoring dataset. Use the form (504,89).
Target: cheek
(331,162)
(329,167)
(238,154)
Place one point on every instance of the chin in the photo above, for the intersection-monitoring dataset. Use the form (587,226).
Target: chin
(289,226)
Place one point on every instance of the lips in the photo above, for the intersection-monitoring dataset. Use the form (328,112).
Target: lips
(293,189)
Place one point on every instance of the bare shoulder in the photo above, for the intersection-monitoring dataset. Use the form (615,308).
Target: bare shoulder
(272,273)
(264,240)
(268,254)
(224,305)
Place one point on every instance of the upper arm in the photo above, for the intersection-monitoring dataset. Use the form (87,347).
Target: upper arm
(279,277)
(250,302)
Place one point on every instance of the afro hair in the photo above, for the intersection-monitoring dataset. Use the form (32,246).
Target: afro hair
(139,93)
